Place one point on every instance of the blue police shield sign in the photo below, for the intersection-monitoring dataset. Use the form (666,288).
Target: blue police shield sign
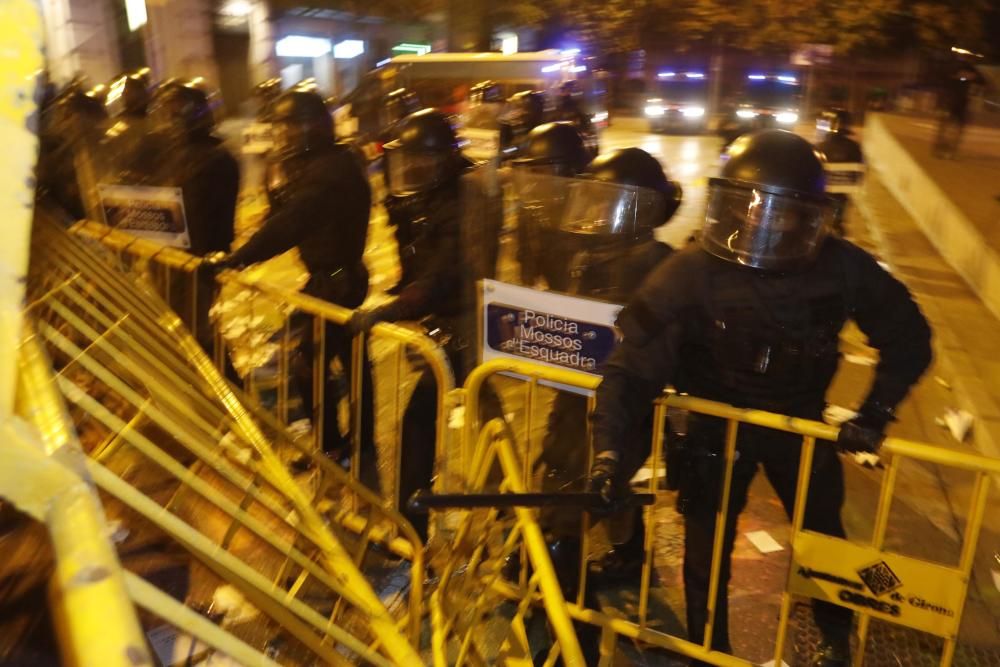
(554,329)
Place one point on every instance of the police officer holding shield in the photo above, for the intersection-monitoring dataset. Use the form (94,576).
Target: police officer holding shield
(752,318)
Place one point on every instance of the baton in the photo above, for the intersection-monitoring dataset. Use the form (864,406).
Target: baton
(423,501)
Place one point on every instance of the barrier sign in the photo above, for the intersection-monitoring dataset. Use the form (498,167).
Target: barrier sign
(554,329)
(899,589)
(844,177)
(155,213)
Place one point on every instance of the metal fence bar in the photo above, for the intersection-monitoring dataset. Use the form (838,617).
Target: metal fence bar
(176,614)
(41,475)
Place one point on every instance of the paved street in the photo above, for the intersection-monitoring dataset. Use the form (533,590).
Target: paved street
(931,505)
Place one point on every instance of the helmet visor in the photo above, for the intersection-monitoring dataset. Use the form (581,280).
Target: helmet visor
(410,172)
(598,208)
(764,230)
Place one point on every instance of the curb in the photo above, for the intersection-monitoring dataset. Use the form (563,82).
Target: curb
(959,366)
(936,215)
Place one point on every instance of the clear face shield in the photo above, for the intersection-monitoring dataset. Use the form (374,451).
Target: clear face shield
(765,230)
(409,173)
(608,211)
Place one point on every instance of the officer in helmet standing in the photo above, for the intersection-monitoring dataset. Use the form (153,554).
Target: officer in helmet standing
(845,161)
(752,318)
(426,169)
(611,213)
(399,104)
(319,202)
(131,148)
(525,111)
(70,131)
(552,149)
(208,175)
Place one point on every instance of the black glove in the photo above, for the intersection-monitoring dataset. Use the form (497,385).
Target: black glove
(363,320)
(603,477)
(864,433)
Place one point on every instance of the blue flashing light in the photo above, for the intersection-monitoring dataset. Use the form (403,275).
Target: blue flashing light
(695,75)
(666,75)
(757,77)
(784,78)
(571,52)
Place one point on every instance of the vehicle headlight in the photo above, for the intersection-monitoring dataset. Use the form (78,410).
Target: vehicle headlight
(746,113)
(654,110)
(787,117)
(693,112)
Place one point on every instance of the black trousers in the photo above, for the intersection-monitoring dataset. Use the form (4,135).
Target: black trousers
(778,455)
(419,436)
(337,345)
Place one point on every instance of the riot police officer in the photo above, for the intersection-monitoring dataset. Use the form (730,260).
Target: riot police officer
(525,111)
(840,149)
(209,178)
(426,169)
(609,220)
(399,104)
(752,318)
(183,112)
(71,128)
(131,152)
(319,202)
(551,149)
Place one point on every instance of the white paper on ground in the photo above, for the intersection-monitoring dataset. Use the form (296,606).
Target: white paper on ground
(763,541)
(958,422)
(770,663)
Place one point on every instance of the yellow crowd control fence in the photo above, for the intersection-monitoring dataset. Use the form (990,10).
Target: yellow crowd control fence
(916,593)
(192,468)
(399,352)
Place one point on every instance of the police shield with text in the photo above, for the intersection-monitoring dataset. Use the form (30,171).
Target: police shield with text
(553,149)
(319,202)
(752,318)
(435,184)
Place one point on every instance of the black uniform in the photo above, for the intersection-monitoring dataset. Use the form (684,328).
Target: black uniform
(707,326)
(762,338)
(840,147)
(438,197)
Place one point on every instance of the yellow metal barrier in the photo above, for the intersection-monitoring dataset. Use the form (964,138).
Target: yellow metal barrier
(939,610)
(472,576)
(173,263)
(149,402)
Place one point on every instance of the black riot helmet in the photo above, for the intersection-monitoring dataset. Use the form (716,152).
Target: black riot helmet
(528,107)
(554,148)
(398,104)
(769,208)
(184,109)
(627,195)
(266,93)
(301,123)
(74,114)
(425,153)
(834,121)
(136,93)
(486,92)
